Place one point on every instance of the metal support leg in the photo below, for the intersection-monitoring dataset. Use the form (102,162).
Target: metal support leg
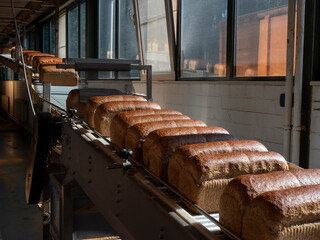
(46,107)
(67,208)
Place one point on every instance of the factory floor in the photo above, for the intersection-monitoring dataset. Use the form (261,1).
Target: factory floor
(18,221)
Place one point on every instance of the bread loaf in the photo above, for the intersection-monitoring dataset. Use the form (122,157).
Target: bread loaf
(106,111)
(179,131)
(220,147)
(243,189)
(95,102)
(58,77)
(138,133)
(284,214)
(26,53)
(28,58)
(38,60)
(203,177)
(156,158)
(73,102)
(120,124)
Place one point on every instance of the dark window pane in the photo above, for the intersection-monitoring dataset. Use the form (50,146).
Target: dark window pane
(73,33)
(203,38)
(107,33)
(32,42)
(107,29)
(127,33)
(52,37)
(83,33)
(261,33)
(45,38)
(128,48)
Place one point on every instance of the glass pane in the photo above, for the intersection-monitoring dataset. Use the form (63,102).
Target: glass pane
(106,33)
(203,38)
(45,38)
(106,29)
(32,42)
(154,35)
(128,48)
(73,33)
(83,30)
(127,33)
(52,37)
(261,37)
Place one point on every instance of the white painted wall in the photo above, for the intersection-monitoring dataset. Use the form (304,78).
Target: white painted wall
(248,110)
(314,157)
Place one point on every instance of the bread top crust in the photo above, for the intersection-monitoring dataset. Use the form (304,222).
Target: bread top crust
(141,130)
(287,207)
(250,186)
(128,114)
(47,59)
(54,69)
(206,167)
(170,143)
(130,121)
(120,106)
(156,134)
(165,146)
(221,147)
(98,100)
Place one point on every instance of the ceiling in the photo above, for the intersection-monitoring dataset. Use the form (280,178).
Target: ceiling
(26,11)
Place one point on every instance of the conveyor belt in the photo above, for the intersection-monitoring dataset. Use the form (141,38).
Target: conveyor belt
(135,205)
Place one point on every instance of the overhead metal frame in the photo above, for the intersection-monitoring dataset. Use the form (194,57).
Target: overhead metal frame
(110,65)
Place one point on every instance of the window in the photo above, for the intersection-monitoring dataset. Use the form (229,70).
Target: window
(31,43)
(49,36)
(247,39)
(77,31)
(261,33)
(203,38)
(154,35)
(117,34)
(107,29)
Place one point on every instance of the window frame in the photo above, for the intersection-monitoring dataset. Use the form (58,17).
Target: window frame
(230,51)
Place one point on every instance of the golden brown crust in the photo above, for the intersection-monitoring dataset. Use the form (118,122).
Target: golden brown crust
(221,147)
(28,58)
(106,111)
(95,102)
(137,133)
(58,77)
(179,131)
(280,211)
(205,171)
(241,190)
(73,102)
(38,60)
(157,158)
(121,122)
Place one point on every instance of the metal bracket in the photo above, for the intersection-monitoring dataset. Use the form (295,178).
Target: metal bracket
(126,165)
